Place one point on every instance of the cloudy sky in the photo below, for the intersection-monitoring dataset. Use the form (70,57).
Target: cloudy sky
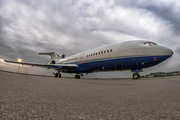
(28,27)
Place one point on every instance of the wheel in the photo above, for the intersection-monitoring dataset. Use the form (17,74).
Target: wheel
(76,76)
(136,76)
(59,75)
(56,75)
(79,77)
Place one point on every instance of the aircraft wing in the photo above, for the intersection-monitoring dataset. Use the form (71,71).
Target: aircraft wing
(48,66)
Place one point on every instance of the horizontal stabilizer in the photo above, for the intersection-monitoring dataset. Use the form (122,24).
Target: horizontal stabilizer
(47,53)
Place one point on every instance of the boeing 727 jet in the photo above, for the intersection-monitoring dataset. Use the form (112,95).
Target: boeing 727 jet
(132,55)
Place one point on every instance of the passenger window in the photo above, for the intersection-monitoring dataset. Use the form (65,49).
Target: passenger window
(101,52)
(91,54)
(96,53)
(107,51)
(111,50)
(104,51)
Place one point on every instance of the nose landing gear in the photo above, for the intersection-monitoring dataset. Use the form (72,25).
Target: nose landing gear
(136,76)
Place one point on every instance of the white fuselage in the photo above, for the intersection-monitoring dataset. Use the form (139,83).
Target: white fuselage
(125,49)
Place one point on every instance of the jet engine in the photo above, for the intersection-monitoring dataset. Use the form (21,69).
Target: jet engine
(63,56)
(53,62)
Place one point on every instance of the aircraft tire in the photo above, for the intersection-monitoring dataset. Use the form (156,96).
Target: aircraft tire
(76,76)
(59,75)
(79,77)
(136,76)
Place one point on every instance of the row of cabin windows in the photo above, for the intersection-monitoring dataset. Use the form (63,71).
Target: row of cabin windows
(106,51)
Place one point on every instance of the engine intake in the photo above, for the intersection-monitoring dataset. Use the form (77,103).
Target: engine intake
(53,62)
(63,55)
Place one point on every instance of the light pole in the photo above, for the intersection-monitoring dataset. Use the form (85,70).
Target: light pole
(18,68)
(19,60)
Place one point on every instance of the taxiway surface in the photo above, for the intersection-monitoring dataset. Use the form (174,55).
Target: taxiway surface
(33,97)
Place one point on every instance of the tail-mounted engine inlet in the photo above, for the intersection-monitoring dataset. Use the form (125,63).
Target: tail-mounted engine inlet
(53,62)
(63,55)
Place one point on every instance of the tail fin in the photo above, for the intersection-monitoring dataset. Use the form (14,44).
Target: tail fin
(54,56)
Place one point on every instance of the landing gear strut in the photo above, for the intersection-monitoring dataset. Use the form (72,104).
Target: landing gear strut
(77,77)
(136,76)
(58,74)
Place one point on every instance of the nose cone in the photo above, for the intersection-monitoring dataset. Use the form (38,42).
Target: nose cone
(167,51)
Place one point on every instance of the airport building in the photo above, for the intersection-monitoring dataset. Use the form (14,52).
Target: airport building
(158,74)
(173,73)
(162,74)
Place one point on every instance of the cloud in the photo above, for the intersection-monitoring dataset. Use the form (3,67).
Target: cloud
(69,27)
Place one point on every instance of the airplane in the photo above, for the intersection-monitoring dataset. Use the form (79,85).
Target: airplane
(130,55)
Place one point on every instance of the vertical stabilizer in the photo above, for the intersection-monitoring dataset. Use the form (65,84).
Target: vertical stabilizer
(54,56)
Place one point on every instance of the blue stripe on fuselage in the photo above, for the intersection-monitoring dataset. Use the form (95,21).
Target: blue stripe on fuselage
(104,59)
(118,63)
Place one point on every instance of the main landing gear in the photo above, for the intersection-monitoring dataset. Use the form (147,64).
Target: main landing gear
(136,76)
(58,74)
(77,76)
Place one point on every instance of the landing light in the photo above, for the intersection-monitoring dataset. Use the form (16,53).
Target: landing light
(19,60)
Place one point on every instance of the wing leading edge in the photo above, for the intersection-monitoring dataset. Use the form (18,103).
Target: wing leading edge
(48,66)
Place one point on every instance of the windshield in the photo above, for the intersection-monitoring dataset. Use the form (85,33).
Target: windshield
(150,43)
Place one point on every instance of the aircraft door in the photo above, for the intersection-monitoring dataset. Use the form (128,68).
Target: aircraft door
(82,58)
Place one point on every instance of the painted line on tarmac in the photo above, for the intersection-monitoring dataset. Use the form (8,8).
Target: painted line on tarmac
(164,79)
(159,79)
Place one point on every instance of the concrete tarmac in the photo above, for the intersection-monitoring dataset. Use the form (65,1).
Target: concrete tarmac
(24,97)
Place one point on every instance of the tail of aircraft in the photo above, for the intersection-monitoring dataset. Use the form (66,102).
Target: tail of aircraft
(54,56)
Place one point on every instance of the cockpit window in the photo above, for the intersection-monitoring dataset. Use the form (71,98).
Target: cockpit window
(150,43)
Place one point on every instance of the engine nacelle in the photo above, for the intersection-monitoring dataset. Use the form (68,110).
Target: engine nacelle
(60,56)
(53,62)
(63,56)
